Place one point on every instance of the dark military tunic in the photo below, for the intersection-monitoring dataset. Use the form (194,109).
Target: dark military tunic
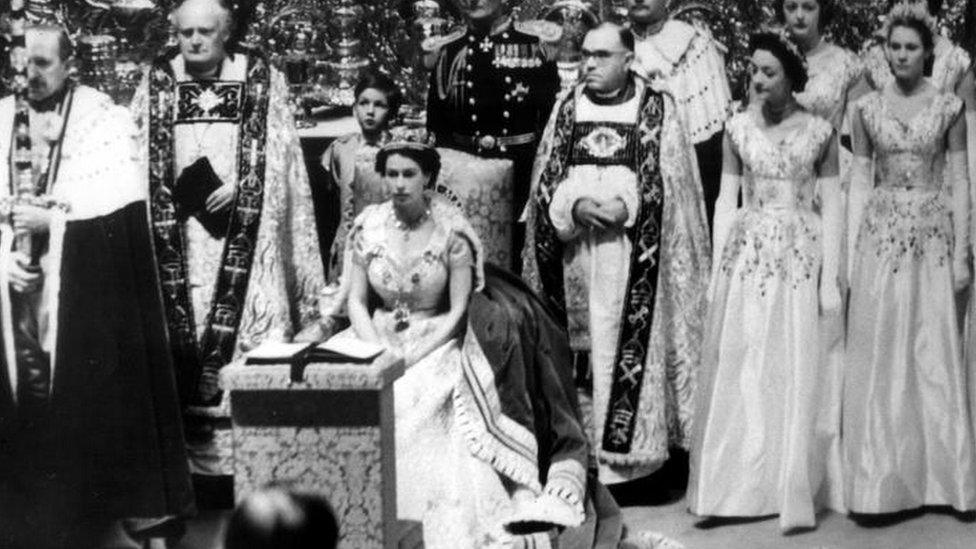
(491,95)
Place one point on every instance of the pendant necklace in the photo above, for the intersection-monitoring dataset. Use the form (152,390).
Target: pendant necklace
(407,227)
(401,308)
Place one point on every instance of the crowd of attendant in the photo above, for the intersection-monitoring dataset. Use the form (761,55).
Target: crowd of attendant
(837,300)
(586,281)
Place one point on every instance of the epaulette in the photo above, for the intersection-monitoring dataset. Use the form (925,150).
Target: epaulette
(546,31)
(435,43)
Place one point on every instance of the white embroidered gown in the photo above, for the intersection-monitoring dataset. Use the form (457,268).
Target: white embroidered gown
(833,71)
(758,392)
(908,434)
(459,498)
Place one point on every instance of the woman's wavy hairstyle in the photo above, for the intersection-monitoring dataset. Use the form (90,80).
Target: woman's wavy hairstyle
(828,10)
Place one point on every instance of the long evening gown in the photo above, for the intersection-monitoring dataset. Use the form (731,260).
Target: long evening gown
(459,498)
(833,72)
(752,440)
(908,434)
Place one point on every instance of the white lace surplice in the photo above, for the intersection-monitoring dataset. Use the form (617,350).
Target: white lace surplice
(908,434)
(759,392)
(597,264)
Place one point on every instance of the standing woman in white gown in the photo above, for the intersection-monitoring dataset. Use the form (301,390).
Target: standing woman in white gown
(968,93)
(836,79)
(908,434)
(774,278)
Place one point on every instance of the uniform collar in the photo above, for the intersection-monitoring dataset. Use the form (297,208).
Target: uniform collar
(503,24)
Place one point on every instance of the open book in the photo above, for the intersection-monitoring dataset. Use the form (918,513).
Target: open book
(340,348)
(345,347)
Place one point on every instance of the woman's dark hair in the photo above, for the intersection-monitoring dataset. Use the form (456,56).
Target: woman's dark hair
(827,11)
(280,519)
(427,158)
(792,63)
(924,33)
(383,83)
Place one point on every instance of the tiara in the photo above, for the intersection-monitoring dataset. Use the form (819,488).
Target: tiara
(912,10)
(407,137)
(783,37)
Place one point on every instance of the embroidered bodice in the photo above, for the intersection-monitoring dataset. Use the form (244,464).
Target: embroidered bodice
(908,153)
(778,175)
(418,281)
(832,72)
(776,235)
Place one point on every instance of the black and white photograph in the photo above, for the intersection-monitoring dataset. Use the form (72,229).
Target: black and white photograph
(487,274)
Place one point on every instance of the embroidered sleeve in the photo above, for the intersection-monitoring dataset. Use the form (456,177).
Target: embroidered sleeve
(357,245)
(734,130)
(459,252)
(958,65)
(953,109)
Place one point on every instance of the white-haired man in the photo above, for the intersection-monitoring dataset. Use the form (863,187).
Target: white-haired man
(232,217)
(89,416)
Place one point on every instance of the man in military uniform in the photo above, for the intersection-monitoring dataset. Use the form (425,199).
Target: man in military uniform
(492,88)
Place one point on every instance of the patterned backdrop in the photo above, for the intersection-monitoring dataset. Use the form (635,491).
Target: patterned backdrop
(303,35)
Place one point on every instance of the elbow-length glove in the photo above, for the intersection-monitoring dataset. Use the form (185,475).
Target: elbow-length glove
(833,234)
(961,205)
(857,199)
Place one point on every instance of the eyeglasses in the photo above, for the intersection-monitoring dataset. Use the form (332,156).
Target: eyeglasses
(600,55)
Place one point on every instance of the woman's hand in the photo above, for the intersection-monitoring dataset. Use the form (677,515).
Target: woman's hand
(312,333)
(961,275)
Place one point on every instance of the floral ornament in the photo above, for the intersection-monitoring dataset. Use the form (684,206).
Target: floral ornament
(407,137)
(912,10)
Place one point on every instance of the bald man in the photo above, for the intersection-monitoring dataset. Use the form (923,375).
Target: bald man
(236,247)
(620,244)
(89,416)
